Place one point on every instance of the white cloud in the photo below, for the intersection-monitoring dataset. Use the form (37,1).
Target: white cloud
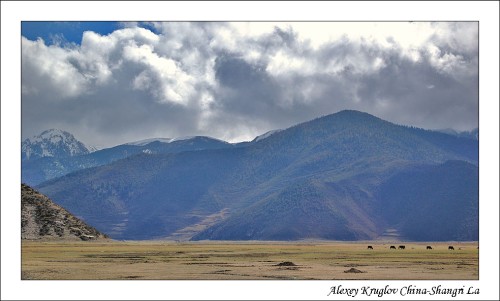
(97,45)
(47,69)
(174,85)
(282,63)
(137,34)
(143,81)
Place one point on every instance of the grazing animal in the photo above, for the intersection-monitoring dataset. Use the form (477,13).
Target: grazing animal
(429,248)
(451,248)
(370,247)
(401,247)
(393,247)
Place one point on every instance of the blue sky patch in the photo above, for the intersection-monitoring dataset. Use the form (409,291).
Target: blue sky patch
(64,32)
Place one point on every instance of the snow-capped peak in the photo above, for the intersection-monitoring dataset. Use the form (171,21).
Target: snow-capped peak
(183,138)
(53,143)
(266,135)
(168,140)
(148,141)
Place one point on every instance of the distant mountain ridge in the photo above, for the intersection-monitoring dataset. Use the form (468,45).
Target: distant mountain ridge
(170,140)
(334,177)
(55,153)
(42,169)
(266,135)
(473,134)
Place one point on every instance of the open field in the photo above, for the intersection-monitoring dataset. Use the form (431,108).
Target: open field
(156,260)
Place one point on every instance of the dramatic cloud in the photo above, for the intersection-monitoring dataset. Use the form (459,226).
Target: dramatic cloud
(234,81)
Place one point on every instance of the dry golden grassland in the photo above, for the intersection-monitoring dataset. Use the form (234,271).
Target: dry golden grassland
(154,260)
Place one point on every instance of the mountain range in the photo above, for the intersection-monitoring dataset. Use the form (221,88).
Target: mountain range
(344,176)
(40,169)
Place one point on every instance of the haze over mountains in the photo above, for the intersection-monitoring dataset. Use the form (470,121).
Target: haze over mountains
(344,176)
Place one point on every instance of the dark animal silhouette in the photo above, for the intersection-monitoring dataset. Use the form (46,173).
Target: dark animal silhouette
(393,247)
(370,247)
(401,247)
(429,248)
(451,248)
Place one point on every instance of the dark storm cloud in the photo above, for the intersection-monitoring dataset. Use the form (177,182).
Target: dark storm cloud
(421,95)
(246,88)
(233,81)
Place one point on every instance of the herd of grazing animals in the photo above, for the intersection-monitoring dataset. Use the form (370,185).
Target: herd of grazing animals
(402,247)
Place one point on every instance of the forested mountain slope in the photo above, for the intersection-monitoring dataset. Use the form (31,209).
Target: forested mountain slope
(334,177)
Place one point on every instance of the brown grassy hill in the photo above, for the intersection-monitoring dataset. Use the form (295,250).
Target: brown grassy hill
(43,219)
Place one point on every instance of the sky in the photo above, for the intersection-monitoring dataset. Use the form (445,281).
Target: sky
(110,83)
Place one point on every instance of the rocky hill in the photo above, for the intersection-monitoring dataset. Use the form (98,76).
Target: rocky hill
(43,219)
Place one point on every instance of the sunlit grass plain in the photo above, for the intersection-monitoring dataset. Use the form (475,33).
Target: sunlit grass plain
(155,260)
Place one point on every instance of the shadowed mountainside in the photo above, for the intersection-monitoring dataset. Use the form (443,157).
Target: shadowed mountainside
(329,178)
